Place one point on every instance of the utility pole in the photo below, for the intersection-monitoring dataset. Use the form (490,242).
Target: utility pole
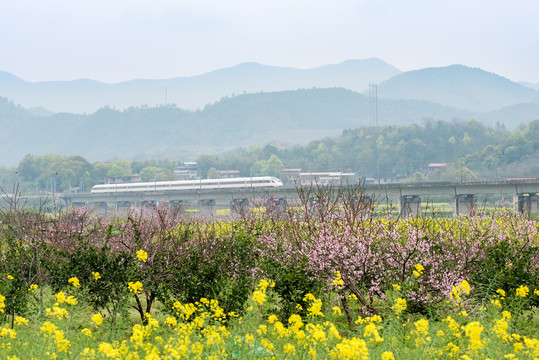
(378,163)
(373,107)
(373,103)
(460,156)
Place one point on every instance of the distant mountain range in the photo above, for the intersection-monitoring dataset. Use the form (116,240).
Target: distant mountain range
(456,86)
(87,96)
(280,105)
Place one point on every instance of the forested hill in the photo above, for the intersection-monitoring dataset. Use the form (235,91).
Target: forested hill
(398,151)
(460,86)
(286,118)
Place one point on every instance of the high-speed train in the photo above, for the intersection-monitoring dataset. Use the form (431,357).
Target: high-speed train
(234,183)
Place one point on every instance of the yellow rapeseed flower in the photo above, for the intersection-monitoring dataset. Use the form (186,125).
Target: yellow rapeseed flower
(109,350)
(62,344)
(473,331)
(268,345)
(399,307)
(249,339)
(518,347)
(71,300)
(295,319)
(74,281)
(332,330)
(418,270)
(32,287)
(388,355)
(48,328)
(135,287)
(465,287)
(522,291)
(453,325)
(96,275)
(19,320)
(371,332)
(142,255)
(2,304)
(57,311)
(7,333)
(259,297)
(60,297)
(97,319)
(171,321)
(349,349)
(262,329)
(452,349)
(422,332)
(316,306)
(338,281)
(289,349)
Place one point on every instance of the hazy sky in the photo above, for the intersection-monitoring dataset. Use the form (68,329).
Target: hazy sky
(117,40)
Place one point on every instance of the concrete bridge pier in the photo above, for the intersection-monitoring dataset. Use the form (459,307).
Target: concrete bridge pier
(464,204)
(409,205)
(526,204)
(240,206)
(177,207)
(78,204)
(207,208)
(276,206)
(100,207)
(362,202)
(123,207)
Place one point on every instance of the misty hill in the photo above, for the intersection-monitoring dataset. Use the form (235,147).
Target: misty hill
(530,85)
(511,116)
(457,86)
(87,96)
(286,118)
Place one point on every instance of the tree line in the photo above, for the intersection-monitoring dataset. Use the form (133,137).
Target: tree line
(395,152)
(470,149)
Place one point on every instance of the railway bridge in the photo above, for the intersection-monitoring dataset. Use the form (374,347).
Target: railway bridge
(408,196)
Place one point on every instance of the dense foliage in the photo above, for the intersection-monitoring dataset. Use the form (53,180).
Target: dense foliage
(399,151)
(388,282)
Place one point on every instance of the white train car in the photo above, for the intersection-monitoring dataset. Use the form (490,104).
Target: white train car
(213,184)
